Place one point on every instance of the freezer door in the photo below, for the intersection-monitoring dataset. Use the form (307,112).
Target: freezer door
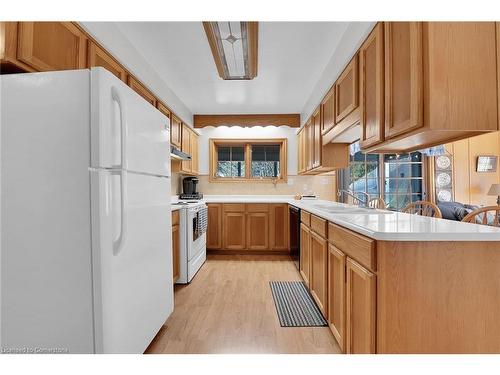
(132,259)
(126,131)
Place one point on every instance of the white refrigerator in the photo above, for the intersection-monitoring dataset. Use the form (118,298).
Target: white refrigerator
(86,247)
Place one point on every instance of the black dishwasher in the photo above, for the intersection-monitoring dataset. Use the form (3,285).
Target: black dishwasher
(295,235)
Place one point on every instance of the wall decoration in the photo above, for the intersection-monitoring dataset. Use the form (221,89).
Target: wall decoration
(444,178)
(486,164)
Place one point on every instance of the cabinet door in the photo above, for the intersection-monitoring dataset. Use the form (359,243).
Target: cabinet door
(279,226)
(163,109)
(360,301)
(194,153)
(96,56)
(176,251)
(403,77)
(336,294)
(316,124)
(141,90)
(346,91)
(305,253)
(50,46)
(234,230)
(319,272)
(176,131)
(186,147)
(309,144)
(371,60)
(257,230)
(214,231)
(328,111)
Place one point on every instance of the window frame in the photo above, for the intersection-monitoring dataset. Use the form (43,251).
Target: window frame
(214,143)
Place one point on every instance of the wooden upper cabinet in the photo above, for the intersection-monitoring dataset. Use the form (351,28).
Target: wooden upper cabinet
(186,166)
(305,253)
(96,56)
(141,90)
(175,131)
(360,309)
(318,283)
(347,91)
(234,229)
(279,229)
(214,230)
(336,294)
(371,61)
(194,153)
(316,124)
(328,111)
(49,46)
(309,144)
(403,77)
(257,230)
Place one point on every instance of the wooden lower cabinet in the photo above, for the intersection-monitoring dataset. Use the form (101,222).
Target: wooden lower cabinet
(176,247)
(214,230)
(360,309)
(336,294)
(234,230)
(318,281)
(278,226)
(305,253)
(257,230)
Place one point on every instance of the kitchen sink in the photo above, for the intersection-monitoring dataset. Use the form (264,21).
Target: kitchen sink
(349,210)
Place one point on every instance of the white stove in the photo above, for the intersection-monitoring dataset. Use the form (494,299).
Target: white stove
(193,241)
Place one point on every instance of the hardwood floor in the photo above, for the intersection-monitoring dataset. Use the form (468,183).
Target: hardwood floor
(229,308)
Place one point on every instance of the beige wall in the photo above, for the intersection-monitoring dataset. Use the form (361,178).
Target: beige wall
(323,186)
(470,186)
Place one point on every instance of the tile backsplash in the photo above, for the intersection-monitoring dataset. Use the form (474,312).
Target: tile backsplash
(323,186)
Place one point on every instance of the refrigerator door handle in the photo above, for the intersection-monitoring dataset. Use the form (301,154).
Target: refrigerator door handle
(118,244)
(117,97)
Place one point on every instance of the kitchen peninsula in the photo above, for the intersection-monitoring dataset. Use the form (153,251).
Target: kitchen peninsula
(389,282)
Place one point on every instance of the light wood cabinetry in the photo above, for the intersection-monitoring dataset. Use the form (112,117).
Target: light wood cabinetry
(403,77)
(371,61)
(189,145)
(316,138)
(309,129)
(305,253)
(194,153)
(248,227)
(176,131)
(176,245)
(439,83)
(96,56)
(279,226)
(336,294)
(257,235)
(319,271)
(186,147)
(47,46)
(346,91)
(360,309)
(328,111)
(214,230)
(234,227)
(141,90)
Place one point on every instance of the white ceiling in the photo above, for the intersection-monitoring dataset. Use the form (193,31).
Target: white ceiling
(292,55)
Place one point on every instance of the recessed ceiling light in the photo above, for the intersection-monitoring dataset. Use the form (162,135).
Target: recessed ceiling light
(234,47)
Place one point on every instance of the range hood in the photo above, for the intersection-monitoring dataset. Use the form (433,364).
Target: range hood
(177,154)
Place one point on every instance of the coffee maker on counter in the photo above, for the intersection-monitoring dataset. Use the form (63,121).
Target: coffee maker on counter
(189,189)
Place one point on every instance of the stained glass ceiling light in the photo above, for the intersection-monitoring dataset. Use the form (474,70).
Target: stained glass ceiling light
(234,48)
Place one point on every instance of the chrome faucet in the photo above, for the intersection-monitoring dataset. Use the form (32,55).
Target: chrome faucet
(353,195)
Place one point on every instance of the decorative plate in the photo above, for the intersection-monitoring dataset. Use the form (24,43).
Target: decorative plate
(443,179)
(444,195)
(443,162)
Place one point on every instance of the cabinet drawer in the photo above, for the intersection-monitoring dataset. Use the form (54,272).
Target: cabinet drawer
(305,217)
(355,246)
(318,225)
(234,207)
(257,207)
(175,218)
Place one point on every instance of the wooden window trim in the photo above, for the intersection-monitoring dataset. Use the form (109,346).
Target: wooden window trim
(247,143)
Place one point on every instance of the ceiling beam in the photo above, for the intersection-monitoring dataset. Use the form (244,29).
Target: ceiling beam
(282,119)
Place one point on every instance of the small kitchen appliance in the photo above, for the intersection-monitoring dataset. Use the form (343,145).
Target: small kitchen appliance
(189,189)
